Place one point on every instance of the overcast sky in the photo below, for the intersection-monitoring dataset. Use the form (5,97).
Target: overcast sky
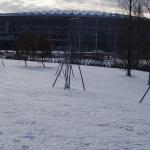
(41,5)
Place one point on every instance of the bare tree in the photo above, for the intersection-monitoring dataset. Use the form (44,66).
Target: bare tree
(43,45)
(146,4)
(132,8)
(25,43)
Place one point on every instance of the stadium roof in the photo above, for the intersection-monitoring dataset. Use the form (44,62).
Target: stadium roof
(63,13)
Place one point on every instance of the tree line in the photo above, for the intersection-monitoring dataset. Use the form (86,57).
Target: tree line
(134,8)
(33,46)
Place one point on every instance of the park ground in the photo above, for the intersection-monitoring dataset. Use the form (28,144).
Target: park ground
(107,116)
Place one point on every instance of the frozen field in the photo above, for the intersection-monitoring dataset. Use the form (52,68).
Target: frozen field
(107,116)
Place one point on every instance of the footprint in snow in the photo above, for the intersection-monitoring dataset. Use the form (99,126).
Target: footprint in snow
(66,105)
(104,125)
(28,136)
(16,141)
(144,133)
(24,147)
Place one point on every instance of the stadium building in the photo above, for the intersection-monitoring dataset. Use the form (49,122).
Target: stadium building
(97,30)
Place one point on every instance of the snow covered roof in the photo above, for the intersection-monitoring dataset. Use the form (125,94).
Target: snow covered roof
(63,13)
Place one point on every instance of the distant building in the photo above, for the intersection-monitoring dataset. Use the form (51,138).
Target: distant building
(101,31)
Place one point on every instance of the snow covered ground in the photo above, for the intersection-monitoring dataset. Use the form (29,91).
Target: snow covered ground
(107,116)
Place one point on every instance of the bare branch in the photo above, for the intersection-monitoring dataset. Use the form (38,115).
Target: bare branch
(138,7)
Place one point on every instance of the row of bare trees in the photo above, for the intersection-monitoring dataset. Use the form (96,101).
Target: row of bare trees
(33,45)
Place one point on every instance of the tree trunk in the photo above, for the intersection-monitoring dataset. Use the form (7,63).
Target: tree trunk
(25,63)
(26,57)
(149,79)
(130,41)
(2,62)
(43,62)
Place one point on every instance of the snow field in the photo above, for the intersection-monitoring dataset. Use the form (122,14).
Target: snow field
(107,116)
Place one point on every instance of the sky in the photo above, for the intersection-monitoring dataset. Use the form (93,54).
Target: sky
(7,6)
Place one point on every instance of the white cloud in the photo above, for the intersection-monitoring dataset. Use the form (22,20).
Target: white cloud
(32,5)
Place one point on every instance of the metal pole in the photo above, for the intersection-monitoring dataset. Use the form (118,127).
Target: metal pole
(58,69)
(81,77)
(58,74)
(144,94)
